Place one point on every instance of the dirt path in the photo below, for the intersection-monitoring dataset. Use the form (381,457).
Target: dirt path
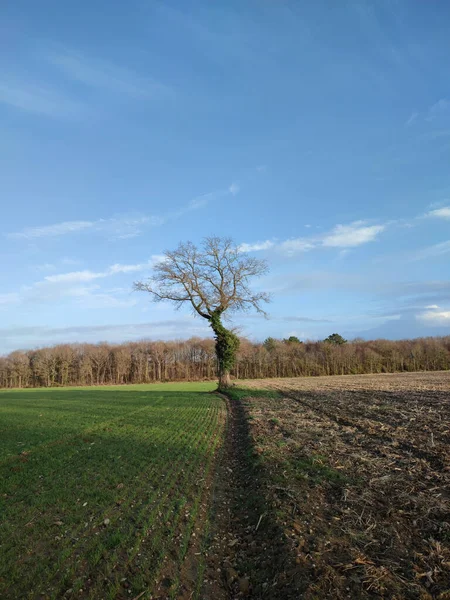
(248,552)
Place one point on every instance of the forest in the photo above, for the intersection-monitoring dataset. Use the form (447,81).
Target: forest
(195,360)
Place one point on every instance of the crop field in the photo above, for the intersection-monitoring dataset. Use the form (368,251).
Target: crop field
(357,471)
(103,490)
(317,488)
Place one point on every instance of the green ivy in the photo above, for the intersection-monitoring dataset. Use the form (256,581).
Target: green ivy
(227,344)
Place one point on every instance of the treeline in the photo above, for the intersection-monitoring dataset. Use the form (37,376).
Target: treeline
(194,360)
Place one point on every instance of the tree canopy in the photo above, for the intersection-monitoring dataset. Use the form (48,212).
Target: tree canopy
(292,339)
(212,279)
(335,338)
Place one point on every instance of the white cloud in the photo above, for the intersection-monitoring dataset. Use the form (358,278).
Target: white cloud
(123,227)
(349,236)
(105,75)
(256,247)
(81,286)
(87,275)
(52,230)
(118,268)
(438,108)
(441,213)
(105,300)
(9,298)
(30,337)
(82,292)
(204,199)
(434,316)
(120,227)
(341,236)
(296,245)
(433,251)
(37,99)
(74,277)
(45,267)
(432,306)
(234,189)
(53,267)
(412,119)
(201,201)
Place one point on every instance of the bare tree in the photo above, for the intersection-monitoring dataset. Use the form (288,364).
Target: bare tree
(213,279)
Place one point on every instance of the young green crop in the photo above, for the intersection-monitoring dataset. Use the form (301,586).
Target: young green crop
(96,482)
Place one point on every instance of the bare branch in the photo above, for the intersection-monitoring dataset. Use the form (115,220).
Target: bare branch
(213,279)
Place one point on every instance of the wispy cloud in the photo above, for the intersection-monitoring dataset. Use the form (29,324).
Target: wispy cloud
(432,251)
(341,236)
(257,246)
(296,245)
(434,316)
(87,275)
(7,299)
(432,113)
(81,287)
(412,119)
(75,277)
(437,109)
(355,234)
(204,200)
(103,74)
(56,100)
(293,319)
(77,288)
(440,213)
(97,299)
(118,268)
(56,229)
(124,228)
(45,267)
(201,201)
(121,227)
(38,99)
(31,337)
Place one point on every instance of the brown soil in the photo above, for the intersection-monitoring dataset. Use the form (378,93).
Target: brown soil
(359,468)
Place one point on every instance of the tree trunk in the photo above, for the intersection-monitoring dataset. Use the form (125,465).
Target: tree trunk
(227,345)
(224,380)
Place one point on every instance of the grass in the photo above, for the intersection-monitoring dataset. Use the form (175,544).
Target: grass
(99,485)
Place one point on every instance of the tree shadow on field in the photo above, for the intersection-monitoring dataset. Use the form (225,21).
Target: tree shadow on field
(247,544)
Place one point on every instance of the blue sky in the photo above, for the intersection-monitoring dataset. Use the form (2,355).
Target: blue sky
(316,134)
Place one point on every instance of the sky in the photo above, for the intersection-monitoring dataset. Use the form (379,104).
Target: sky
(315,134)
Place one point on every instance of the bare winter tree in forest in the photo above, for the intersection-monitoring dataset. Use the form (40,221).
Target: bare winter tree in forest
(213,279)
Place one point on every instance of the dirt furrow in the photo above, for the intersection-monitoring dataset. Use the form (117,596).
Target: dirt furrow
(249,554)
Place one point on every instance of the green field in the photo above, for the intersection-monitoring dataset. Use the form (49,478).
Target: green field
(100,488)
